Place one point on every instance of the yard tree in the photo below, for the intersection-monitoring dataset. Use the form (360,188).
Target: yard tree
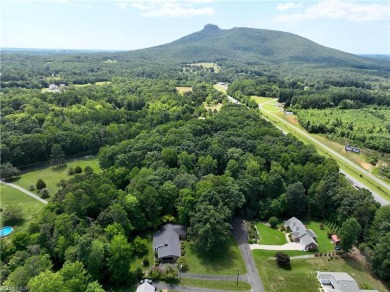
(12,215)
(349,233)
(209,225)
(119,259)
(40,184)
(273,221)
(57,156)
(94,287)
(282,259)
(96,260)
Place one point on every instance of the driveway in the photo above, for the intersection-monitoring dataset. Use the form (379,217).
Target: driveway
(32,195)
(286,246)
(240,233)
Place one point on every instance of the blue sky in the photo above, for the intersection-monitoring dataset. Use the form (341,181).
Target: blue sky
(353,26)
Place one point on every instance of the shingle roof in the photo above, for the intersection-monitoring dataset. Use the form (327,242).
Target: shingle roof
(145,287)
(306,236)
(307,239)
(167,241)
(311,233)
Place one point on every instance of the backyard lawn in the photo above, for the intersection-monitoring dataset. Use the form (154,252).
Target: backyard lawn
(270,236)
(15,198)
(302,275)
(225,262)
(137,260)
(324,243)
(52,175)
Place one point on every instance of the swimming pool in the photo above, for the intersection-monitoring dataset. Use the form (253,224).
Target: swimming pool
(6,231)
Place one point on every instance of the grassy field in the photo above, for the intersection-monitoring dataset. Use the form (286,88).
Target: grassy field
(224,263)
(100,83)
(217,106)
(220,88)
(221,285)
(15,198)
(51,175)
(302,275)
(183,89)
(292,128)
(270,236)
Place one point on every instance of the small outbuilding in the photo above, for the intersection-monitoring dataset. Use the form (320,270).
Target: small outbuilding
(335,239)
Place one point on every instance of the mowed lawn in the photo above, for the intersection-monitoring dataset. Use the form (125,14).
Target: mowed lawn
(15,198)
(220,285)
(302,275)
(324,243)
(270,236)
(137,259)
(226,262)
(183,89)
(52,175)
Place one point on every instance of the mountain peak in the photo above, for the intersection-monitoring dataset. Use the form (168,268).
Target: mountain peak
(211,27)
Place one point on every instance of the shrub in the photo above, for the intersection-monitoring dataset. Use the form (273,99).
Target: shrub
(155,273)
(157,262)
(273,221)
(282,259)
(40,184)
(88,170)
(181,264)
(78,169)
(322,227)
(44,193)
(145,262)
(12,215)
(169,274)
(71,171)
(31,188)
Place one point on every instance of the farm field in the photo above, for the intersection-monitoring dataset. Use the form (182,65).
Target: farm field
(207,65)
(220,88)
(15,198)
(225,263)
(51,175)
(302,275)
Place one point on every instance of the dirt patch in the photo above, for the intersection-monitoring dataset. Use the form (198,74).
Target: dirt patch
(365,165)
(292,120)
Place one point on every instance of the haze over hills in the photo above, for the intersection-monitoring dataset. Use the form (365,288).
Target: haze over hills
(252,46)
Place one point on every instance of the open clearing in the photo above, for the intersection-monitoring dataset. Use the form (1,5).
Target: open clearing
(224,263)
(100,83)
(207,65)
(15,198)
(216,107)
(183,89)
(302,275)
(52,175)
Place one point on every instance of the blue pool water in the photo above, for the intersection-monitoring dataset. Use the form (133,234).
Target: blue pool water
(6,231)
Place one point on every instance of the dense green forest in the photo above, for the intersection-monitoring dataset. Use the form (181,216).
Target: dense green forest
(165,158)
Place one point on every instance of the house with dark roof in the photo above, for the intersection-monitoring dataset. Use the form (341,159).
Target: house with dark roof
(338,282)
(300,233)
(166,242)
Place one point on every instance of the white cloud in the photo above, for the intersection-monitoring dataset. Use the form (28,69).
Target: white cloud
(168,8)
(289,5)
(338,9)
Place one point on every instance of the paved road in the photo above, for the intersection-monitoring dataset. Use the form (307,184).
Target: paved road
(240,233)
(24,191)
(170,287)
(383,184)
(243,278)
